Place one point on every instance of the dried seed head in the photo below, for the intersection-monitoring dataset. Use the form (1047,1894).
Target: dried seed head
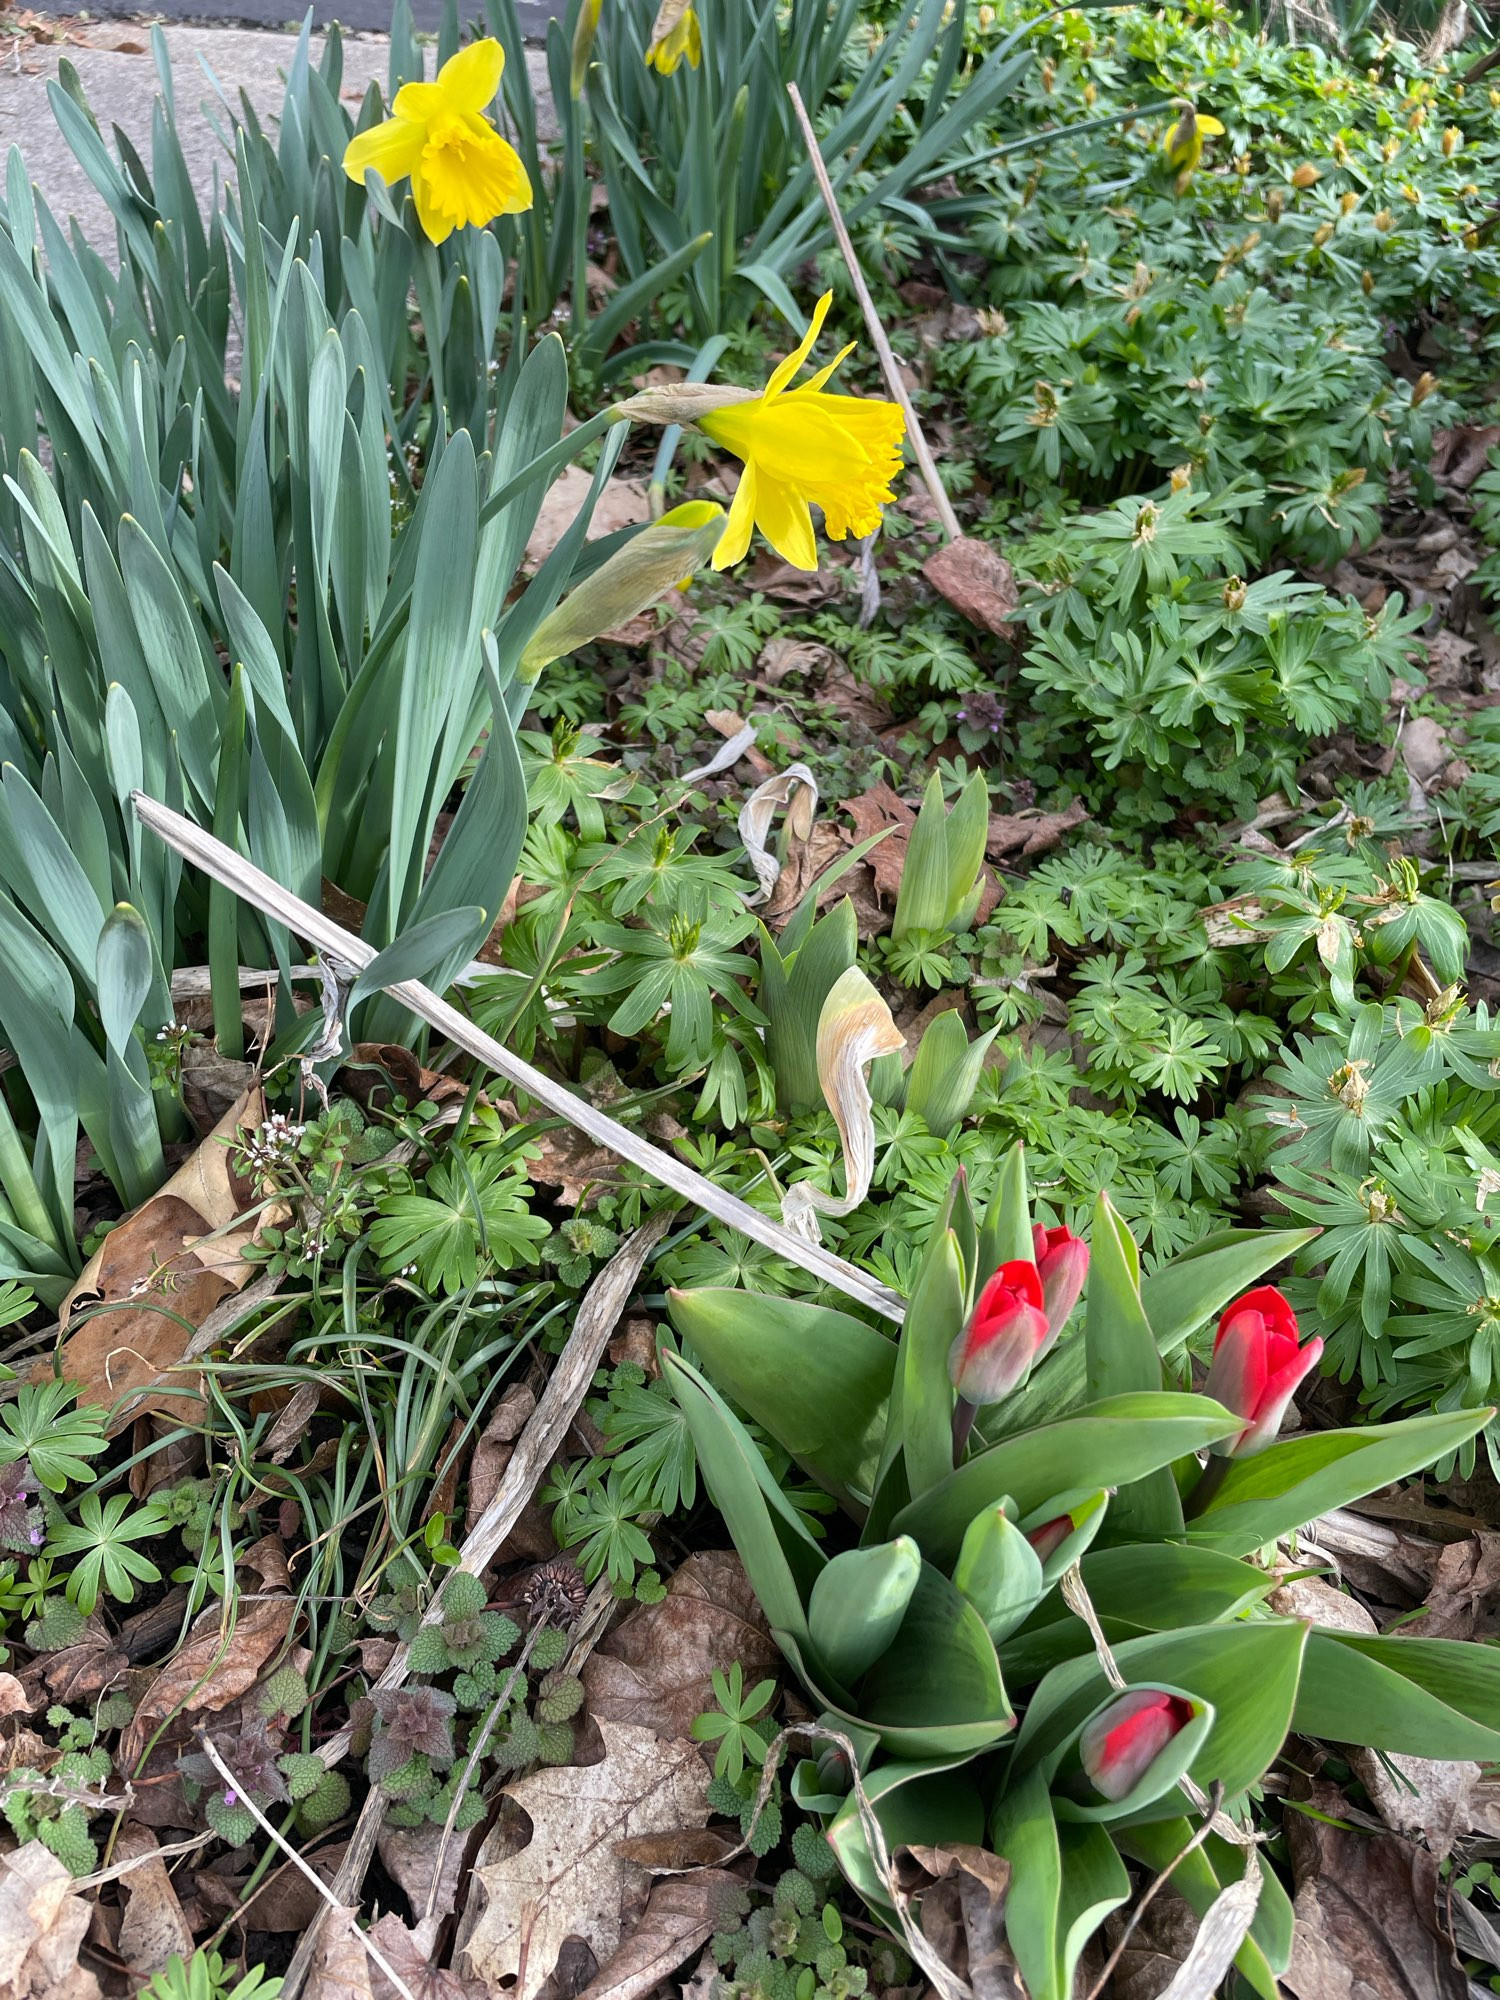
(554,1592)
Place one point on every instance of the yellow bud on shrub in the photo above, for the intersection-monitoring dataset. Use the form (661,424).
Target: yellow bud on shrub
(1306,175)
(1423,387)
(1366,282)
(1275,203)
(1348,202)
(1321,234)
(1452,140)
(1384,221)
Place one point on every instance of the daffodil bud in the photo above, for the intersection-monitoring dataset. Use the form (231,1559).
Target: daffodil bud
(651,563)
(678,403)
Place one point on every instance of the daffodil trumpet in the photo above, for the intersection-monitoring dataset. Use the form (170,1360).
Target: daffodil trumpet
(461,170)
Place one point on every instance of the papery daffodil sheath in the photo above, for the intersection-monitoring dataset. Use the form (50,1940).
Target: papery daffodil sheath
(1183,144)
(803,448)
(674,34)
(461,170)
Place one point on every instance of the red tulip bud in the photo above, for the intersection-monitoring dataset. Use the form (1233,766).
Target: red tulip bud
(1062,1262)
(1006,1331)
(1257,1366)
(1124,1740)
(1050,1536)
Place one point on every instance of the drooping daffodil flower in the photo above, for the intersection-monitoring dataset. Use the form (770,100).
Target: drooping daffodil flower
(675,34)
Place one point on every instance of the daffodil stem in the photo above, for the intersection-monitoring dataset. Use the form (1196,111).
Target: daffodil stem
(892,374)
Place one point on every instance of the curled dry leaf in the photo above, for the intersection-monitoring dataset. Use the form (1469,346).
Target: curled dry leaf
(679,1919)
(340,1968)
(795,789)
(977,581)
(153,1928)
(962,1891)
(159,1274)
(1366,1907)
(42,1924)
(1032,831)
(655,1669)
(211,1670)
(409,1954)
(568,1880)
(854,1027)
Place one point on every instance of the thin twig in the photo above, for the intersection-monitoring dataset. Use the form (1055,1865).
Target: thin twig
(255,887)
(888,367)
(234,1784)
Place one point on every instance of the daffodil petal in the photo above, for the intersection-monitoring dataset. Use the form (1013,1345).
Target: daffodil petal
(737,529)
(781,514)
(815,382)
(436,226)
(420,102)
(392,149)
(470,79)
(784,372)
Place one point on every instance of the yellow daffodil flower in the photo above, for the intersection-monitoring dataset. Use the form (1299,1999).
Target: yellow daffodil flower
(1183,143)
(674,34)
(801,447)
(461,170)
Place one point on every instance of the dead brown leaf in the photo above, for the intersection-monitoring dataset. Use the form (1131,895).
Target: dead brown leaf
(410,1854)
(873,812)
(409,1954)
(1461,1604)
(977,581)
(42,1924)
(340,1968)
(162,1266)
(680,1917)
(211,1670)
(153,1928)
(377,1071)
(494,1447)
(286,1900)
(1461,454)
(963,1891)
(1156,1950)
(569,1161)
(14,1699)
(1366,1908)
(654,1670)
(678,1851)
(1031,831)
(568,1879)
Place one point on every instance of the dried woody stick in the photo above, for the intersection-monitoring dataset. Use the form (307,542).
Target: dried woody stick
(888,367)
(264,894)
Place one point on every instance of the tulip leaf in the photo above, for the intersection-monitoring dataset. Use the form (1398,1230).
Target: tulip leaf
(1121,1355)
(1414,1697)
(939,1671)
(1120,1439)
(934,1320)
(1248,1673)
(1137,1589)
(1006,1234)
(781,1559)
(815,1379)
(1196,1285)
(998,1571)
(1271,1492)
(858,1604)
(1064,1882)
